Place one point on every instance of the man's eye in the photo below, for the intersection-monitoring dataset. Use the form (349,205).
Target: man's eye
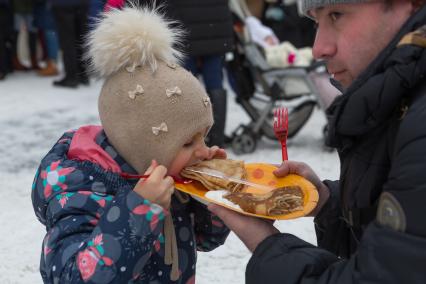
(334,16)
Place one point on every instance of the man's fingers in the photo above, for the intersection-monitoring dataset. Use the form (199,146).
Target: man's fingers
(214,208)
(216,152)
(299,168)
(290,167)
(221,154)
(230,218)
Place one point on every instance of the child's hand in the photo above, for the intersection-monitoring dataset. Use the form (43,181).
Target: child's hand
(216,152)
(158,188)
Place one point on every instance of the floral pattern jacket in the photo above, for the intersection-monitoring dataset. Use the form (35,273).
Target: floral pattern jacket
(99,230)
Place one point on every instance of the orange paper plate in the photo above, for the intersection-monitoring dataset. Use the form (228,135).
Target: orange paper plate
(263,174)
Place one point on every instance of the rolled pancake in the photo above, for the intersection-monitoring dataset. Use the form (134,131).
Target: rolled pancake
(230,168)
(279,201)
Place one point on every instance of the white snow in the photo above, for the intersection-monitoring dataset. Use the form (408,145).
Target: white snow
(33,115)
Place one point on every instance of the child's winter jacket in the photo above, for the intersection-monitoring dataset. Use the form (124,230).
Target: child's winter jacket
(99,230)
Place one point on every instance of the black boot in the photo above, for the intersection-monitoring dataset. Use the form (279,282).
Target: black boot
(67,82)
(84,79)
(32,37)
(217,133)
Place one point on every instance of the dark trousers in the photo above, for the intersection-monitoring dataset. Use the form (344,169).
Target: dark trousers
(211,67)
(6,37)
(71,23)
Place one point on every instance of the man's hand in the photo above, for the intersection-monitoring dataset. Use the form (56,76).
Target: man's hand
(252,231)
(158,188)
(217,153)
(302,169)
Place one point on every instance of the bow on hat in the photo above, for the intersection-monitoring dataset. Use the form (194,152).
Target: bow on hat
(162,128)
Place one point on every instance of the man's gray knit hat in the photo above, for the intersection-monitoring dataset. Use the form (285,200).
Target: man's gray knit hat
(307,5)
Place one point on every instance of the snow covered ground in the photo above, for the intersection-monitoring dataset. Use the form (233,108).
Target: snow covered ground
(33,115)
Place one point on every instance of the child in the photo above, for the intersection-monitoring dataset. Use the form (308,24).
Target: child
(103,226)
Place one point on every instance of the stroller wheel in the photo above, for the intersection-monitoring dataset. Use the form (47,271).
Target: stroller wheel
(244,143)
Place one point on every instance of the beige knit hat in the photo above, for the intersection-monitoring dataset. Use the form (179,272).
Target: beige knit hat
(149,106)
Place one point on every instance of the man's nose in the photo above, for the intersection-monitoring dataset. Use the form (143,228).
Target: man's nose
(324,45)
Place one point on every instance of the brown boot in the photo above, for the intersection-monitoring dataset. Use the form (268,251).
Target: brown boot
(17,65)
(49,70)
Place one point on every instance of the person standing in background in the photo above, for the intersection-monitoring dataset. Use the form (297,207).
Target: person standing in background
(6,30)
(210,37)
(43,20)
(71,18)
(23,15)
(95,8)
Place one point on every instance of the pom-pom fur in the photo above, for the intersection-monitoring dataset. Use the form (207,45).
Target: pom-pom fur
(131,37)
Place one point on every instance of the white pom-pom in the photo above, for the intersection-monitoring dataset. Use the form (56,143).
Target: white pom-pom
(132,37)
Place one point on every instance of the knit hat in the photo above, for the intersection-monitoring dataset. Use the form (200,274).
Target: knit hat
(307,5)
(149,106)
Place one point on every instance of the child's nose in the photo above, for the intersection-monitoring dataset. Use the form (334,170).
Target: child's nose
(202,152)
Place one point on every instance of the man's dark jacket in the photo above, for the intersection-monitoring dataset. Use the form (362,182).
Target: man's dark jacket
(373,228)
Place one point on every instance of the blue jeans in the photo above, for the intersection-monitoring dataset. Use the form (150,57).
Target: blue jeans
(43,19)
(209,67)
(95,9)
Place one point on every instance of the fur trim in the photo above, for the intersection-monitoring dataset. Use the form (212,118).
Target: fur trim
(132,37)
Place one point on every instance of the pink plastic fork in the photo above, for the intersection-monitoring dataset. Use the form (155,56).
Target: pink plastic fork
(281,129)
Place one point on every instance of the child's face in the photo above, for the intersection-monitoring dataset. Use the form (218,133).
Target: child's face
(194,151)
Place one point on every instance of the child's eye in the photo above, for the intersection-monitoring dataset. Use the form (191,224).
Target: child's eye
(189,144)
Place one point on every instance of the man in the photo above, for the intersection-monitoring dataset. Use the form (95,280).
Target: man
(370,224)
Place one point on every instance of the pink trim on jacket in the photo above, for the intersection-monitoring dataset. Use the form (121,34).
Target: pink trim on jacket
(84,148)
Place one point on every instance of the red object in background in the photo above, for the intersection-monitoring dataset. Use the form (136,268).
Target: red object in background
(113,4)
(291,58)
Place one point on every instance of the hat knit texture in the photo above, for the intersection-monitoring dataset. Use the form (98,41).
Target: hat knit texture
(307,5)
(149,106)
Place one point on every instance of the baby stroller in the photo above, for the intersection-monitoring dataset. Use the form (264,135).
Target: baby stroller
(260,88)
